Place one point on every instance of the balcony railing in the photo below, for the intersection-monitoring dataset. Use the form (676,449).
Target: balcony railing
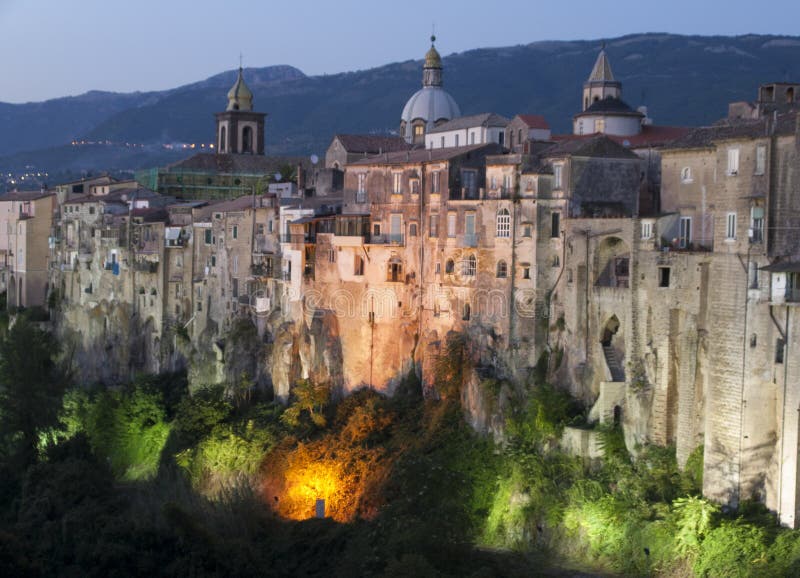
(470,240)
(391,239)
(299,238)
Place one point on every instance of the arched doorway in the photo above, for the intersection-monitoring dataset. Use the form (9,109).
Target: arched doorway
(613,349)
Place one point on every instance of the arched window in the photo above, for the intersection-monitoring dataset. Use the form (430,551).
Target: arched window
(503,223)
(466,312)
(222,139)
(450,266)
(247,140)
(469,266)
(502,269)
(394,272)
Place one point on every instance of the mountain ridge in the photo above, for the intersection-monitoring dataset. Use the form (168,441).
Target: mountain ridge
(683,79)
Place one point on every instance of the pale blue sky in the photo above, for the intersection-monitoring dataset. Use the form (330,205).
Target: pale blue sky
(51,48)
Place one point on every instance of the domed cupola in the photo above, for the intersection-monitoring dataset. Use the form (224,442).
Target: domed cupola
(429,106)
(239,96)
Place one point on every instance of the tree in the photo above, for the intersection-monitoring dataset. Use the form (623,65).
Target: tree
(310,399)
(31,388)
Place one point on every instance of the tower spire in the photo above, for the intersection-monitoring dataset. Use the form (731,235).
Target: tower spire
(432,70)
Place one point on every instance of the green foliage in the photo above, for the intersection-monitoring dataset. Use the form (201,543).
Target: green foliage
(308,403)
(541,415)
(127,428)
(30,389)
(734,548)
(693,517)
(692,482)
(450,368)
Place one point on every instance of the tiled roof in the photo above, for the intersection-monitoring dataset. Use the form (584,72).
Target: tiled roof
(610,106)
(462,122)
(25,196)
(234,164)
(371,143)
(651,136)
(426,155)
(593,146)
(534,121)
(732,129)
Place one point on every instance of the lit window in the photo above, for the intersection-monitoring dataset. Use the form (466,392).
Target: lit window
(761,159)
(397,183)
(733,162)
(557,176)
(730,226)
(503,223)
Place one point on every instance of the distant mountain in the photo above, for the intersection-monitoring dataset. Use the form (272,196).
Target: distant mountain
(683,80)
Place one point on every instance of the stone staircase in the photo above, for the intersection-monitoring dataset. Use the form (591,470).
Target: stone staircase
(617,373)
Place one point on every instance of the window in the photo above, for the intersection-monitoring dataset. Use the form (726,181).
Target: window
(469,266)
(526,271)
(470,179)
(733,162)
(456,140)
(412,230)
(780,345)
(686,175)
(414,186)
(507,184)
(600,125)
(331,256)
(91,210)
(472,138)
(449,266)
(503,223)
(556,261)
(235,267)
(663,276)
(270,226)
(376,229)
(433,229)
(419,132)
(470,238)
(558,176)
(756,224)
(502,270)
(435,181)
(647,230)
(235,232)
(685,238)
(466,313)
(451,224)
(235,288)
(753,275)
(493,182)
(222,139)
(527,231)
(438,268)
(396,228)
(442,142)
(358,266)
(730,226)
(213,260)
(761,159)
(260,229)
(555,225)
(361,192)
(397,183)
(247,140)
(207,237)
(394,273)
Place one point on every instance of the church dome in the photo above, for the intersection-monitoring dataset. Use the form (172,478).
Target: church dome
(239,96)
(431,104)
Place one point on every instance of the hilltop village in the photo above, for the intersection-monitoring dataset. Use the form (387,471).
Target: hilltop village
(651,271)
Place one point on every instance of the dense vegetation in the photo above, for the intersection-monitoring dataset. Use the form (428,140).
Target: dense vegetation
(149,480)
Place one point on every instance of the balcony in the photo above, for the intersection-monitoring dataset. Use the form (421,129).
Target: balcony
(299,238)
(391,239)
(470,240)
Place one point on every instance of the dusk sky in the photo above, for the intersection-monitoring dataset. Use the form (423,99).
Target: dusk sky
(53,48)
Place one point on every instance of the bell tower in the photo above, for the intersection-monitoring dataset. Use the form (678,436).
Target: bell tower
(601,83)
(240,130)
